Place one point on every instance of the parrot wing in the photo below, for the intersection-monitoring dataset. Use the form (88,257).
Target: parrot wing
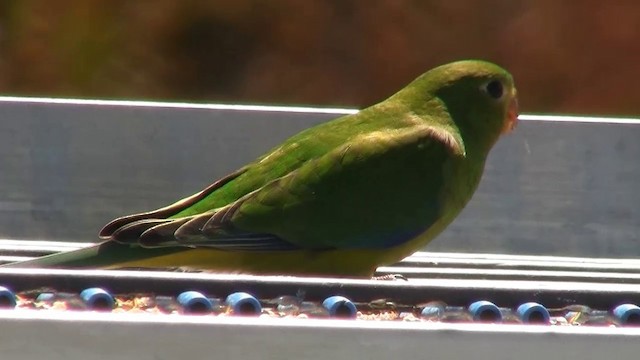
(305,209)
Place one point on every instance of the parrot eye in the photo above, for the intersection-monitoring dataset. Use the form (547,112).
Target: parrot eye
(494,88)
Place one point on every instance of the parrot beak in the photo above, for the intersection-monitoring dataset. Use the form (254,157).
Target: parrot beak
(512,115)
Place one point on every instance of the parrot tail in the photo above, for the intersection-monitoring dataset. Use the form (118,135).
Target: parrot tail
(107,254)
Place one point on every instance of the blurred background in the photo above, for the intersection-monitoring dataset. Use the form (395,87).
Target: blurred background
(577,57)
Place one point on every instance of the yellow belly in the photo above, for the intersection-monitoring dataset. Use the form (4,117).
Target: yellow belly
(336,263)
(352,262)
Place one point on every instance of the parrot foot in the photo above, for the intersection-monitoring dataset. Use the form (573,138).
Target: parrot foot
(186,270)
(392,277)
(168,269)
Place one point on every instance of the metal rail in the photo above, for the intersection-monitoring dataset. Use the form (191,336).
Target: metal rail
(29,334)
(453,278)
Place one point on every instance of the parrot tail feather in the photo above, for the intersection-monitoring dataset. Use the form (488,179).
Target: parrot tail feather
(107,254)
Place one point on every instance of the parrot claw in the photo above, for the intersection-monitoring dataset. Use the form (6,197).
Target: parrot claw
(392,277)
(168,269)
(186,269)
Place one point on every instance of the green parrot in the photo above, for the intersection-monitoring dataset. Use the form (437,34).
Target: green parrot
(337,199)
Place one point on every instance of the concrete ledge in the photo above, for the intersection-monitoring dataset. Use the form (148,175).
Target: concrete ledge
(88,336)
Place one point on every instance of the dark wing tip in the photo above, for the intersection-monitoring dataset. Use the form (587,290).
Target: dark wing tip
(131,232)
(114,225)
(162,213)
(163,234)
(192,228)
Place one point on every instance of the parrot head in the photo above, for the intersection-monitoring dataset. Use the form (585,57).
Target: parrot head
(478,96)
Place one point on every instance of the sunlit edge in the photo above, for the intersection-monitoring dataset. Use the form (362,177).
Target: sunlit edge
(289,109)
(268,322)
(177,105)
(476,284)
(582,119)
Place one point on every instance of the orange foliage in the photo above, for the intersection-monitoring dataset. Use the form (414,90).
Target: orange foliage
(567,56)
